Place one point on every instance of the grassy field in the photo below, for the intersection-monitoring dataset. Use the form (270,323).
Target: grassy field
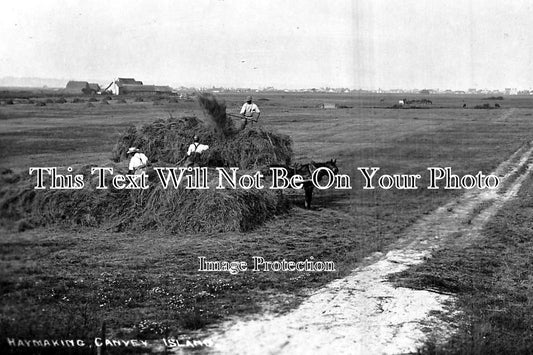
(63,283)
(493,282)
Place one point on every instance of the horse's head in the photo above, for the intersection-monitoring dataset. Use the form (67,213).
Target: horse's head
(331,165)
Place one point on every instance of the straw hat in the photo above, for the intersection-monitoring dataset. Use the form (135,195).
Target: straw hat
(132,150)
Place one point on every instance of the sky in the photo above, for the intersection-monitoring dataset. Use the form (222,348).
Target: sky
(368,44)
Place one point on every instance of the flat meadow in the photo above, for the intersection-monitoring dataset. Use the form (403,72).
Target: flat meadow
(64,282)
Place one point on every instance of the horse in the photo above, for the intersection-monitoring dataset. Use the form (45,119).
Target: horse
(306,171)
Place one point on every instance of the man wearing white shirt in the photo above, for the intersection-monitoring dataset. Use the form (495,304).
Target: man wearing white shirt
(138,161)
(248,110)
(194,150)
(197,147)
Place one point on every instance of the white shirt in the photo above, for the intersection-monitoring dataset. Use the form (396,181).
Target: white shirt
(137,160)
(249,109)
(197,148)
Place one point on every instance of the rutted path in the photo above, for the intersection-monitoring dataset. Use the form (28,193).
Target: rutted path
(365,314)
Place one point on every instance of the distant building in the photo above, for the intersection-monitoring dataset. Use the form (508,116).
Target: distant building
(125,86)
(77,87)
(511,91)
(118,86)
(81,87)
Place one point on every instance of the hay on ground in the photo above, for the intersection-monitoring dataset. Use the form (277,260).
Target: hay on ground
(171,210)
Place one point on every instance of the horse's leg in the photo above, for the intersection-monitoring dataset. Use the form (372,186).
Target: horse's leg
(308,195)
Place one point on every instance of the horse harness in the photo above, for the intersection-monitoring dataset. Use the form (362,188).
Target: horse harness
(297,169)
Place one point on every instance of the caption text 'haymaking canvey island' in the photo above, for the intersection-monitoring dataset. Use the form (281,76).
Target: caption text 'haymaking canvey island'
(197,178)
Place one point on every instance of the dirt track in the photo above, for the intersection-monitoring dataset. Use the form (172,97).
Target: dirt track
(365,314)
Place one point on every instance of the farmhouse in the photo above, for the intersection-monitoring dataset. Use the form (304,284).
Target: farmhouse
(77,87)
(124,86)
(81,87)
(144,89)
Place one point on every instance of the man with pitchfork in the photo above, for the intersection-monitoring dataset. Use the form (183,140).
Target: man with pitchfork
(248,110)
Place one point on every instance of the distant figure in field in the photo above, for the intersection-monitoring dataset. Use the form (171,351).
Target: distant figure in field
(464,105)
(401,102)
(497,105)
(138,161)
(194,151)
(248,110)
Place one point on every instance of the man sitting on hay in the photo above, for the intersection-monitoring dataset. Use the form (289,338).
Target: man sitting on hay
(138,161)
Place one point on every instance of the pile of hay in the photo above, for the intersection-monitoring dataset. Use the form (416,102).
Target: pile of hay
(165,142)
(170,210)
(485,107)
(168,140)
